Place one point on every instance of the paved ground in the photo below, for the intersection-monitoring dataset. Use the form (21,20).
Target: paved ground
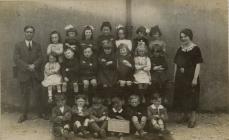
(210,127)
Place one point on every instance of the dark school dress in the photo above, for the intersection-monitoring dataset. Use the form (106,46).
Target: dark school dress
(107,74)
(125,73)
(88,68)
(186,97)
(159,77)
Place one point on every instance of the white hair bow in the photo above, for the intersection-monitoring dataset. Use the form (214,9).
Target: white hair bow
(67,27)
(119,26)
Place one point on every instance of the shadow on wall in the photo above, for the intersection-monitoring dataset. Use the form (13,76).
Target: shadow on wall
(206,18)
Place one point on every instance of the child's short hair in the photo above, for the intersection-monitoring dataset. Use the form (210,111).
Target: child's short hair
(134,96)
(106,24)
(55,32)
(141,29)
(60,97)
(116,100)
(69,49)
(97,100)
(80,96)
(154,30)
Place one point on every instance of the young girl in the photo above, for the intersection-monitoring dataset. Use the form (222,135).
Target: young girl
(159,71)
(155,34)
(98,117)
(125,69)
(56,46)
(107,74)
(88,39)
(70,72)
(88,70)
(52,76)
(80,116)
(136,113)
(141,37)
(106,35)
(71,40)
(142,69)
(157,114)
(122,37)
(61,117)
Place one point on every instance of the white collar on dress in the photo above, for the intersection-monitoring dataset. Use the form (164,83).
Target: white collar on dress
(115,111)
(189,48)
(159,107)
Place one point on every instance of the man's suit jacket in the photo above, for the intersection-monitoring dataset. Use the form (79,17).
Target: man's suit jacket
(24,57)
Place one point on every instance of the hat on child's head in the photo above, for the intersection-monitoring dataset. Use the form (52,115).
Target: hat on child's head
(106,24)
(141,29)
(154,30)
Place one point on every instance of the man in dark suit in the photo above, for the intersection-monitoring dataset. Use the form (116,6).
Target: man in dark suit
(28,60)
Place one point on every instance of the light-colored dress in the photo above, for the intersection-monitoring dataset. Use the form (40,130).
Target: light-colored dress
(124,41)
(52,74)
(142,75)
(57,49)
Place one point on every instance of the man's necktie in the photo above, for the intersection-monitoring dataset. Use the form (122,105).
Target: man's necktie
(30,47)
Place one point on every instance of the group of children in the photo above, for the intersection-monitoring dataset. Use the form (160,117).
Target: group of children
(108,70)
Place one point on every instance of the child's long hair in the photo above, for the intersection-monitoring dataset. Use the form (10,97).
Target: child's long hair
(55,32)
(87,28)
(124,30)
(141,47)
(121,46)
(52,54)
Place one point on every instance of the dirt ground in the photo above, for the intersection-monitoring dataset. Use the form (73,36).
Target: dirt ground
(210,127)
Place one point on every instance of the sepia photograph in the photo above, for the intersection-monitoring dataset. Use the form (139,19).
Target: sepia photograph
(114,70)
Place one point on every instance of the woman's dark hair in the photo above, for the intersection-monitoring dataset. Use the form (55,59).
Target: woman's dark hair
(154,30)
(72,30)
(187,32)
(55,32)
(106,24)
(83,34)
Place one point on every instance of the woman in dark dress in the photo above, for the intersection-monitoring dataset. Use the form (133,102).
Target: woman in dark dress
(187,86)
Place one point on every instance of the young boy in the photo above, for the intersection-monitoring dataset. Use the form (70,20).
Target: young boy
(117,111)
(136,113)
(157,114)
(61,117)
(98,117)
(80,116)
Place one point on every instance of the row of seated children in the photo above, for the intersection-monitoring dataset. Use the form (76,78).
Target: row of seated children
(82,120)
(107,69)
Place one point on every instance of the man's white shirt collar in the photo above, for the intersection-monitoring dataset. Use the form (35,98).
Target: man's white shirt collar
(27,43)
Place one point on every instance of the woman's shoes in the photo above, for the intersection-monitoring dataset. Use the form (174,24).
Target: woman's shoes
(191,124)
